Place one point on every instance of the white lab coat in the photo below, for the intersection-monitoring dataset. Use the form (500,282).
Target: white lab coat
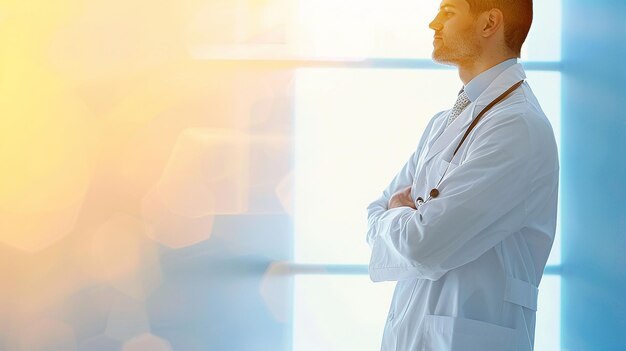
(468,263)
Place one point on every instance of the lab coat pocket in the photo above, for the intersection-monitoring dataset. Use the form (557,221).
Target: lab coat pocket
(444,333)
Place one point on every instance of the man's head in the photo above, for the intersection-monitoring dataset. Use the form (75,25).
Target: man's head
(465,29)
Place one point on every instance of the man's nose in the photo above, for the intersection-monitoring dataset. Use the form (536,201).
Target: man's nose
(435,24)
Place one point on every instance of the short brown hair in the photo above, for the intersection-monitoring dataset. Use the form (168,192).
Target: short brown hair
(518,16)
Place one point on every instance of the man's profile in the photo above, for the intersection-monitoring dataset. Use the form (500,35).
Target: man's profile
(466,226)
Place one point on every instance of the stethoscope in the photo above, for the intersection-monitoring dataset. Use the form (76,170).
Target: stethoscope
(434,192)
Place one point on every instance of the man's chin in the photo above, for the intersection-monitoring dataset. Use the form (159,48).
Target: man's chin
(443,59)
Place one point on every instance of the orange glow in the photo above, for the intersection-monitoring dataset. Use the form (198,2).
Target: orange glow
(47,155)
(206,165)
(127,318)
(147,341)
(35,231)
(172,229)
(47,334)
(124,257)
(118,144)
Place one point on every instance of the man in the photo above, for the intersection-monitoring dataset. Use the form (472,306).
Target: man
(467,234)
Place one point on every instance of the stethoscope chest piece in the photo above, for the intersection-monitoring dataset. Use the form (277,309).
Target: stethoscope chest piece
(420,201)
(434,193)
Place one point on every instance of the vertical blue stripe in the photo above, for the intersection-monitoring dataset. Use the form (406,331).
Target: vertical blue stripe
(593,173)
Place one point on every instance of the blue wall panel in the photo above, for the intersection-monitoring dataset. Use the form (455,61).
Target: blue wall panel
(593,170)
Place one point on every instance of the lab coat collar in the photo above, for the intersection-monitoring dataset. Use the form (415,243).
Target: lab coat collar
(454,132)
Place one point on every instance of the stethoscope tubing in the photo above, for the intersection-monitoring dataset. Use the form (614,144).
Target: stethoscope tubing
(434,192)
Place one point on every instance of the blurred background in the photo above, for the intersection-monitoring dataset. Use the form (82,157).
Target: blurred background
(193,175)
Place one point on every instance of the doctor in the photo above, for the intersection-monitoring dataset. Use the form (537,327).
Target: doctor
(466,226)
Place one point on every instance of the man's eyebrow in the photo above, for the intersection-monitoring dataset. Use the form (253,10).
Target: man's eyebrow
(446,5)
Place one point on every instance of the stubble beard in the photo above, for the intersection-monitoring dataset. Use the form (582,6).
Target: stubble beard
(460,52)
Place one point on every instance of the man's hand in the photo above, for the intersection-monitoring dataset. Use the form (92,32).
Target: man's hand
(402,198)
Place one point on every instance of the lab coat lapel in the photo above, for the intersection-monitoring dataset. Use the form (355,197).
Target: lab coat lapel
(454,132)
(438,127)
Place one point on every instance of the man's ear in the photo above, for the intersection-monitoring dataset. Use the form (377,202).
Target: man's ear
(492,21)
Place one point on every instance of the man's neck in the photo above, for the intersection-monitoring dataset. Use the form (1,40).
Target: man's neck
(469,70)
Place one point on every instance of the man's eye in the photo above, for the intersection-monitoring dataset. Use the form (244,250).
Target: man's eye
(447,13)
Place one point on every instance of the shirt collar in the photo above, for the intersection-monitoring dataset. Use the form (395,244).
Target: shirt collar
(479,84)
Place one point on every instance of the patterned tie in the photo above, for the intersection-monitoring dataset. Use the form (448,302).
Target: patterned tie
(461,103)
